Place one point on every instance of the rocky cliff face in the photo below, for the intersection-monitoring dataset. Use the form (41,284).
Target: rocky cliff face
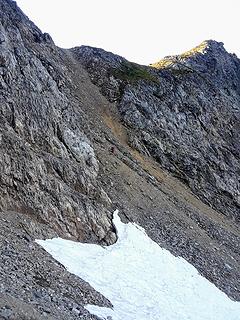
(183,111)
(83,132)
(48,165)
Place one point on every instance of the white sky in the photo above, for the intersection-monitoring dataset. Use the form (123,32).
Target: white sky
(140,30)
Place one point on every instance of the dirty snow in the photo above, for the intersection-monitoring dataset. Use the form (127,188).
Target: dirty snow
(142,280)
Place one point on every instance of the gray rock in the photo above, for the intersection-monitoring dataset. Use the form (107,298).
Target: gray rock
(69,158)
(184,112)
(48,167)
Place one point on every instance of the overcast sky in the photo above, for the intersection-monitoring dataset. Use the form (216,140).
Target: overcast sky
(140,30)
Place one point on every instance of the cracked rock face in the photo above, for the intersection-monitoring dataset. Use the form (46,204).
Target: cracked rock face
(48,166)
(185,113)
(81,149)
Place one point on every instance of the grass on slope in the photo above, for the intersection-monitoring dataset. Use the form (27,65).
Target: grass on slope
(132,72)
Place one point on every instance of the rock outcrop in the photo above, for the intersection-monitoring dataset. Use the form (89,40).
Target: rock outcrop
(184,111)
(47,164)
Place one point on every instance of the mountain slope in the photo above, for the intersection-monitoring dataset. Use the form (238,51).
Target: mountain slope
(47,163)
(71,154)
(184,112)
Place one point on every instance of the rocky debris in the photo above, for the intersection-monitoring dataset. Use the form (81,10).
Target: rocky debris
(69,158)
(185,113)
(32,284)
(12,309)
(176,219)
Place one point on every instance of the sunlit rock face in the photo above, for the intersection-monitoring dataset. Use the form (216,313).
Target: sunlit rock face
(184,111)
(142,280)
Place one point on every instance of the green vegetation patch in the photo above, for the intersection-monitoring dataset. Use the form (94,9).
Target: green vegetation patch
(132,72)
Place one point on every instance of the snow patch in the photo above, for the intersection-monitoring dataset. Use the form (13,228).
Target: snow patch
(142,280)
